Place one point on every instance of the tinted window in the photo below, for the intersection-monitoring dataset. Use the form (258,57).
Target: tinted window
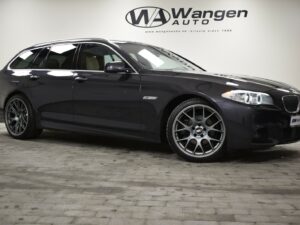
(95,57)
(25,59)
(40,59)
(60,56)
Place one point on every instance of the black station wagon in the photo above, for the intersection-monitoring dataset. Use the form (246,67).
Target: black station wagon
(145,92)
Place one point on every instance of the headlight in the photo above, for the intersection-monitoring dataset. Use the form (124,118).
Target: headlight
(249,97)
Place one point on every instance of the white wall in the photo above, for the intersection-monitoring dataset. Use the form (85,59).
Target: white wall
(265,44)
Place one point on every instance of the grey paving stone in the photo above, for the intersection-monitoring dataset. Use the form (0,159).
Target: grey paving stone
(164,222)
(80,213)
(91,221)
(115,221)
(200,223)
(62,178)
(55,220)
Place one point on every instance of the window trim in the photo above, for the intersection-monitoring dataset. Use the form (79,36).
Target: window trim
(76,58)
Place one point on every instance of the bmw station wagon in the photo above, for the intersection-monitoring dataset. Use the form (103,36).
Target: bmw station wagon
(145,92)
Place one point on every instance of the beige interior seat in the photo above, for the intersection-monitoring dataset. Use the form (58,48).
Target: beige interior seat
(92,63)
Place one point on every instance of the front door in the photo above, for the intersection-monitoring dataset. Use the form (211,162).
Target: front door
(107,102)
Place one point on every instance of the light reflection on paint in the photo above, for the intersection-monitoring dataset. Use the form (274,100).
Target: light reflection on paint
(21,73)
(230,77)
(232,84)
(283,90)
(60,73)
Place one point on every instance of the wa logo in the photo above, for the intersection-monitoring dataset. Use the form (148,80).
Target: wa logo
(148,17)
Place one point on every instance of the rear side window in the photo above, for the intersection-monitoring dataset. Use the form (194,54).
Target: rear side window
(96,56)
(60,56)
(40,59)
(25,59)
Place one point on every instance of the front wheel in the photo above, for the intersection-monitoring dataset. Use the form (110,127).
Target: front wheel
(196,131)
(20,119)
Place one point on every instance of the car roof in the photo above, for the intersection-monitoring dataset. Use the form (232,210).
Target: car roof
(69,41)
(100,40)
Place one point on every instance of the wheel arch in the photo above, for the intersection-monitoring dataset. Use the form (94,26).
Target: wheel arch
(173,103)
(16,92)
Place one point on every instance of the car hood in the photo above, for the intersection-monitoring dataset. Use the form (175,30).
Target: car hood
(262,82)
(238,81)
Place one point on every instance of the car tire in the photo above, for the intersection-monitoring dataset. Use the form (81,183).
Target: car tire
(196,131)
(20,119)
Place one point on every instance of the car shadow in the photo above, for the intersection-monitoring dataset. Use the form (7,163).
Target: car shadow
(278,153)
(119,143)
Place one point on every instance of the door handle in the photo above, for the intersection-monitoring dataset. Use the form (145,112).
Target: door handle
(34,77)
(81,79)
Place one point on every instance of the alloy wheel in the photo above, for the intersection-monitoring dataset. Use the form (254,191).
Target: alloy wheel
(198,130)
(16,116)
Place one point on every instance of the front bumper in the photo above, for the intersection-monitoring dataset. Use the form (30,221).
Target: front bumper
(254,127)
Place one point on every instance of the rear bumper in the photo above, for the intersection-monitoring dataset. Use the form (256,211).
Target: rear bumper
(253,127)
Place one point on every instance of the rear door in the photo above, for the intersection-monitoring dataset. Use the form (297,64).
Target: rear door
(105,101)
(51,83)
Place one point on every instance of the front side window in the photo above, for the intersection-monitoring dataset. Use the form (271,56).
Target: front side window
(154,58)
(25,59)
(96,56)
(60,56)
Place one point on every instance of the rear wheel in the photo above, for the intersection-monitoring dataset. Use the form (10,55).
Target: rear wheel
(196,131)
(20,119)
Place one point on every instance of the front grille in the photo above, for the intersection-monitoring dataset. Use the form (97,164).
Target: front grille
(291,103)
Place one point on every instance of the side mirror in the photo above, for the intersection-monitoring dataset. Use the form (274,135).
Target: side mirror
(116,67)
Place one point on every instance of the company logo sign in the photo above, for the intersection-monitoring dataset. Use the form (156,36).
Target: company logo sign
(150,16)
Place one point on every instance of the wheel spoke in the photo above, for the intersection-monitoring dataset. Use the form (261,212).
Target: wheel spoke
(215,130)
(182,129)
(187,143)
(23,119)
(200,145)
(22,124)
(188,116)
(13,109)
(19,127)
(206,118)
(213,139)
(183,139)
(211,146)
(14,104)
(194,112)
(183,124)
(16,127)
(195,149)
(211,126)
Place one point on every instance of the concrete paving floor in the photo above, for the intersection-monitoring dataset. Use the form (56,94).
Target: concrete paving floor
(65,178)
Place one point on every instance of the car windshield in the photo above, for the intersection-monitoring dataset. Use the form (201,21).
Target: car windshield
(155,58)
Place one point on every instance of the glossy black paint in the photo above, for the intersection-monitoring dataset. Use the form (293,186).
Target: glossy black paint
(99,102)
